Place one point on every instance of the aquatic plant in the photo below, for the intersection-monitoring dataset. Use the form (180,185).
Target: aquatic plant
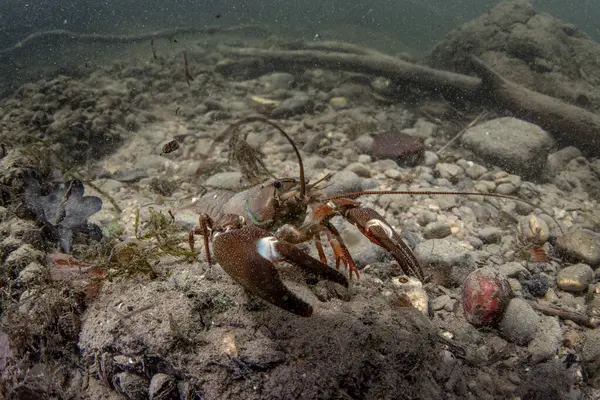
(63,212)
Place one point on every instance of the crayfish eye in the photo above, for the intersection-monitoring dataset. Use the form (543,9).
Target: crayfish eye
(277,184)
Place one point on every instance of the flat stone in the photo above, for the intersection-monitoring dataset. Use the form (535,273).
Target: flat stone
(581,244)
(406,150)
(515,145)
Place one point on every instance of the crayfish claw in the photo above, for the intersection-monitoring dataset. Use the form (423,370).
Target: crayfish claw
(374,227)
(310,264)
(237,253)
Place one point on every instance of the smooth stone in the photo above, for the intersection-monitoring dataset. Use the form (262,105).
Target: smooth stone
(364,143)
(582,244)
(359,169)
(547,340)
(277,81)
(452,172)
(430,159)
(437,230)
(338,103)
(365,159)
(590,353)
(520,322)
(448,262)
(490,235)
(426,217)
(225,180)
(475,171)
(575,278)
(557,161)
(513,269)
(344,182)
(296,105)
(516,145)
(392,173)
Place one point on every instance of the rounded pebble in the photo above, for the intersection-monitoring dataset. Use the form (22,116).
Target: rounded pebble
(575,278)
(520,322)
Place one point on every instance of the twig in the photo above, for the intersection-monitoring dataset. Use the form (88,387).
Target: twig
(578,318)
(153,49)
(462,132)
(186,68)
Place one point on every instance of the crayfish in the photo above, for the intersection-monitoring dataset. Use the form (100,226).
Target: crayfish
(255,228)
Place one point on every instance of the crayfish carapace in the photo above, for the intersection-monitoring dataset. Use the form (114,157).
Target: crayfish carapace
(252,229)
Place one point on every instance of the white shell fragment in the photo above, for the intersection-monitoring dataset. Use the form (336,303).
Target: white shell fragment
(411,293)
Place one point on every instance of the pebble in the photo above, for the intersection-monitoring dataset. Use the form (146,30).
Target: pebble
(448,262)
(582,244)
(364,144)
(534,229)
(430,159)
(516,145)
(277,81)
(475,171)
(557,161)
(299,104)
(575,278)
(437,230)
(343,182)
(547,340)
(506,189)
(426,217)
(590,354)
(225,180)
(452,172)
(338,103)
(490,235)
(520,322)
(364,158)
(359,169)
(425,129)
(392,173)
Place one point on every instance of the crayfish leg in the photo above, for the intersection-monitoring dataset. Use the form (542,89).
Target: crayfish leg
(341,251)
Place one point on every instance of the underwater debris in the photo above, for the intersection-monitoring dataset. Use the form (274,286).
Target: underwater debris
(186,69)
(64,211)
(170,146)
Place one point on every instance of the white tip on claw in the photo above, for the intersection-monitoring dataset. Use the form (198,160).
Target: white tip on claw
(266,248)
(376,222)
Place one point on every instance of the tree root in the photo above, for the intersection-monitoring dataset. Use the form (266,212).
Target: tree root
(60,34)
(569,124)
